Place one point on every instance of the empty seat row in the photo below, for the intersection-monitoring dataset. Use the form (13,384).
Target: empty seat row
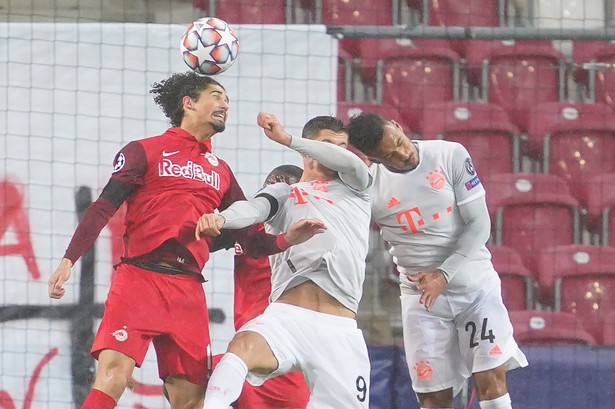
(540,210)
(515,75)
(574,279)
(357,12)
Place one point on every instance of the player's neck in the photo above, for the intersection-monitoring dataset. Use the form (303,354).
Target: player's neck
(200,133)
(310,175)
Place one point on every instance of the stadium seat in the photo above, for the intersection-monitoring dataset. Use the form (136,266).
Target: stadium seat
(579,280)
(608,329)
(348,109)
(573,140)
(517,282)
(371,50)
(484,129)
(416,78)
(549,328)
(531,211)
(598,197)
(517,75)
(351,12)
(461,13)
(595,70)
(246,11)
(344,75)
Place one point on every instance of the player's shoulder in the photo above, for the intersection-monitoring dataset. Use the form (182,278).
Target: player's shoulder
(152,142)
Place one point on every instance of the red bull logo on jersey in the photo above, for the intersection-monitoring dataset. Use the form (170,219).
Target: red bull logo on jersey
(190,170)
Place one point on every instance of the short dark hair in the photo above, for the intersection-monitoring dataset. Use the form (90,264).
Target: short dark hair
(366,130)
(170,92)
(318,123)
(290,173)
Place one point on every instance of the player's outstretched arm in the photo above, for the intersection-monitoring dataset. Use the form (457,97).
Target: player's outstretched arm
(351,169)
(58,278)
(273,129)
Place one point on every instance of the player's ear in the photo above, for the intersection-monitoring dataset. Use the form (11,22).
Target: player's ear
(188,102)
(396,124)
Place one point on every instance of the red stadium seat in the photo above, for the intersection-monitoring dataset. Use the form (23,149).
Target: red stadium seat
(351,12)
(582,281)
(348,109)
(344,75)
(371,50)
(484,129)
(548,327)
(595,69)
(608,329)
(517,75)
(517,283)
(246,11)
(461,13)
(599,199)
(418,77)
(573,140)
(531,211)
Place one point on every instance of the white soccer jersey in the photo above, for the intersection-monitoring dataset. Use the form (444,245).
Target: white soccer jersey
(335,259)
(421,222)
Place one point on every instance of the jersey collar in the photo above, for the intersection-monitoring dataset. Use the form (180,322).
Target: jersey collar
(204,146)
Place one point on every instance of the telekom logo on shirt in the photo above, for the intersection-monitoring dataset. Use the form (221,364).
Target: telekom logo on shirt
(190,170)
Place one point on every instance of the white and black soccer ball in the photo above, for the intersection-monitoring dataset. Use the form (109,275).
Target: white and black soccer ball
(209,46)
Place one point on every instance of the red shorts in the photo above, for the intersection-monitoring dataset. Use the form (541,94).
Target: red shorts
(169,310)
(284,391)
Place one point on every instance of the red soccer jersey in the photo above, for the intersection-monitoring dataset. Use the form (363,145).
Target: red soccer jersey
(177,179)
(168,182)
(252,286)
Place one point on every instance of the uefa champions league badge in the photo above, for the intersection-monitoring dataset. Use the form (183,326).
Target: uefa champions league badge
(470,166)
(120,161)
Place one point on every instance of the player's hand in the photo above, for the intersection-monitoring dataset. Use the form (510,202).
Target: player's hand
(273,129)
(430,284)
(58,278)
(209,225)
(304,230)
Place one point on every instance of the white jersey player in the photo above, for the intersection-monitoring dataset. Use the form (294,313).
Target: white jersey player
(430,206)
(316,287)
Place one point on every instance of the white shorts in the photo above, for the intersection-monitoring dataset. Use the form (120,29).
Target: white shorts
(463,334)
(328,349)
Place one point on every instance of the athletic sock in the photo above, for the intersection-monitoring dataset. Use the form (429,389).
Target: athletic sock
(226,382)
(503,402)
(97,399)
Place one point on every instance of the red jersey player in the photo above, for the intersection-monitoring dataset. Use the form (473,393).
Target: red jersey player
(252,289)
(156,294)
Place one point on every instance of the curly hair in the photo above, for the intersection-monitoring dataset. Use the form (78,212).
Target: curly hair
(170,92)
(366,130)
(318,123)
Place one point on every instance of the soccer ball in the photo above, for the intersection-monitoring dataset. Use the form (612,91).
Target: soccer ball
(209,46)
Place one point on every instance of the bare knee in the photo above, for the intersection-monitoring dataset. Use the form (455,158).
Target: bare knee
(114,373)
(439,399)
(491,384)
(254,350)
(183,394)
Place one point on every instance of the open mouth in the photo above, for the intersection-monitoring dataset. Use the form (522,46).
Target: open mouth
(219,115)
